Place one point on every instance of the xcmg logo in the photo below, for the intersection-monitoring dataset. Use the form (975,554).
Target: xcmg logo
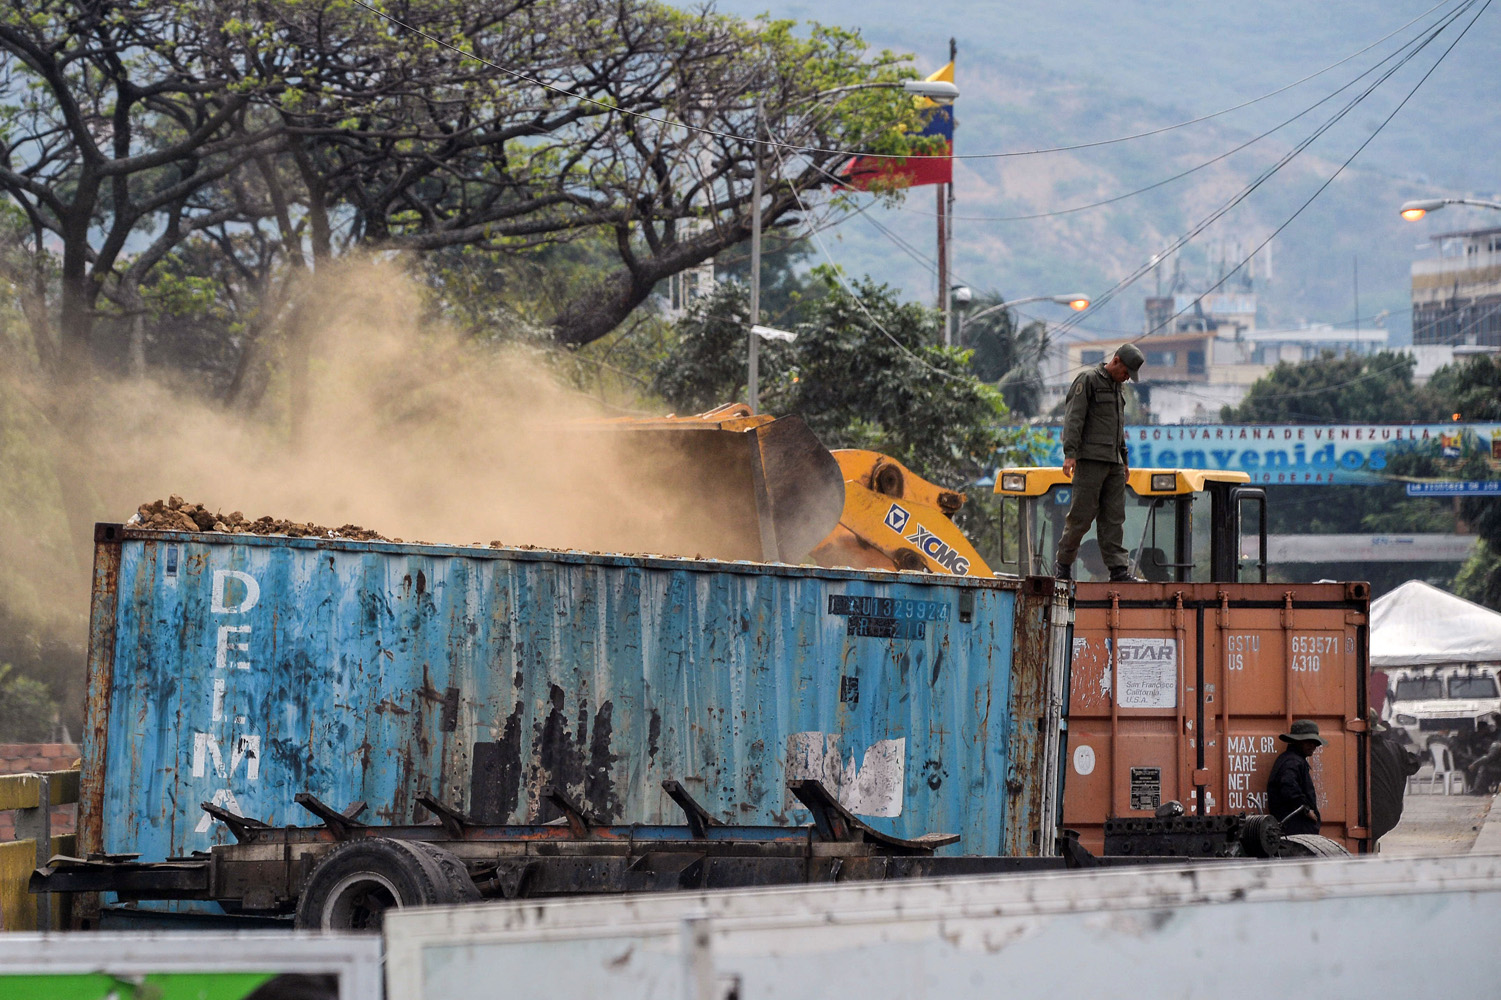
(938,550)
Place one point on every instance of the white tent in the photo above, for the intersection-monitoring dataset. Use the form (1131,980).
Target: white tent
(1419,625)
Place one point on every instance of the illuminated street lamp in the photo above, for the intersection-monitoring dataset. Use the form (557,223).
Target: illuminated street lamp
(1414,210)
(1076,302)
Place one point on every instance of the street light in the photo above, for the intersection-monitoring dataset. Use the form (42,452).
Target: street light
(934,90)
(1078,303)
(939,91)
(1414,210)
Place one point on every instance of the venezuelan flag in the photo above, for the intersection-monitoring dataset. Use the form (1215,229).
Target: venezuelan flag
(865,172)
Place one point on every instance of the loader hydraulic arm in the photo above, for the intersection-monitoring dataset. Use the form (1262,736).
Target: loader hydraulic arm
(895,519)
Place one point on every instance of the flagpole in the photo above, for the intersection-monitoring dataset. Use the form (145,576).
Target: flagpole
(946,229)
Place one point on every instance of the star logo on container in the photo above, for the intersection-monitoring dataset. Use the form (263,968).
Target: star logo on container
(896,518)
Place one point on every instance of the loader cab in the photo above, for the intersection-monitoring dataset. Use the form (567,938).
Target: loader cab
(1182,525)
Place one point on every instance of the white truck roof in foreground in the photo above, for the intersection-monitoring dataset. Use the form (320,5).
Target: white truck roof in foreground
(1266,928)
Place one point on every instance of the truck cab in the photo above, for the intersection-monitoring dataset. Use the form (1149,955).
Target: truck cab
(1182,525)
(1442,703)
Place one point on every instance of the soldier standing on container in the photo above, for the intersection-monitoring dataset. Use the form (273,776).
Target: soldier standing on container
(1290,796)
(1095,458)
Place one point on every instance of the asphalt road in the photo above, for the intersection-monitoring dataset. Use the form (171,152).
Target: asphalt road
(1437,824)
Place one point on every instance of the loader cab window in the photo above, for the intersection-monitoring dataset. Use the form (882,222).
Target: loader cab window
(1150,536)
(1418,689)
(1472,686)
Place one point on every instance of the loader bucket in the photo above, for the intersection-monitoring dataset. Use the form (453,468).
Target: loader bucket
(758,489)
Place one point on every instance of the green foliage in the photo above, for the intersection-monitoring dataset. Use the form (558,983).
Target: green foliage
(1380,389)
(1470,388)
(1479,579)
(864,374)
(1348,389)
(787,287)
(861,379)
(27,711)
(1007,355)
(708,364)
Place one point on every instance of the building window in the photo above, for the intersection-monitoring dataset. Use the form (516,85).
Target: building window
(1195,362)
(1091,357)
(1162,359)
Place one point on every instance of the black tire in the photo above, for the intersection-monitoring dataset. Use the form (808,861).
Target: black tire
(453,870)
(357,882)
(1260,837)
(1311,845)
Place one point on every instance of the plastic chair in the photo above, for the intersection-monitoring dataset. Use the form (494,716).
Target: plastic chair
(1445,775)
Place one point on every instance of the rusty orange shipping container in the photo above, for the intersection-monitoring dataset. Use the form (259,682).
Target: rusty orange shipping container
(1180,687)
(1179,692)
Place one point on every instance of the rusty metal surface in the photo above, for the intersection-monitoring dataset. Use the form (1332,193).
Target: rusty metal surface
(103,612)
(1038,674)
(245,669)
(1211,674)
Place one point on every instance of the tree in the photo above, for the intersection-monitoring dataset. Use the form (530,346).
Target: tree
(117,115)
(509,125)
(863,373)
(1349,389)
(27,712)
(1471,390)
(709,363)
(1339,389)
(1008,355)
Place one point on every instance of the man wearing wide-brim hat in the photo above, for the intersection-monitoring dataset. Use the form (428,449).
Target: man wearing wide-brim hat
(1290,794)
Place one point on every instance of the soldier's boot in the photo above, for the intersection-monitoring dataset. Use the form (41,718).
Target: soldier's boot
(1064,571)
(1122,574)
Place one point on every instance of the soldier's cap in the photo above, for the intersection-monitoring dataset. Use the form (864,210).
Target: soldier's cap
(1132,358)
(1303,731)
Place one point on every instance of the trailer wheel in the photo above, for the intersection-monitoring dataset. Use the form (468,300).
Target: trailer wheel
(453,870)
(1260,836)
(1311,845)
(357,882)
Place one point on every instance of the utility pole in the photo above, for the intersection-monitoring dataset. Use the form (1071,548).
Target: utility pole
(943,265)
(753,388)
(1355,275)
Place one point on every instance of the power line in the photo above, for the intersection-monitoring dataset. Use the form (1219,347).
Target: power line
(1179,242)
(1182,174)
(774,144)
(1349,159)
(1267,174)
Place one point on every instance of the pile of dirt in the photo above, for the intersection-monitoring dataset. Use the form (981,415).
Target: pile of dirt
(176,514)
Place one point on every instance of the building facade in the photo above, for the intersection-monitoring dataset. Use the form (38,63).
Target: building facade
(1456,294)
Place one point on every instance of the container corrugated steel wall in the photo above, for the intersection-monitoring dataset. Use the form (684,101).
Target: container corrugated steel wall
(1209,675)
(242,670)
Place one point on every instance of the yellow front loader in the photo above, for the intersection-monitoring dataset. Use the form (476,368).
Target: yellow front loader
(775,494)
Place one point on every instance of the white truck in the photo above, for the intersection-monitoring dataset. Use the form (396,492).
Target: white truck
(1444,703)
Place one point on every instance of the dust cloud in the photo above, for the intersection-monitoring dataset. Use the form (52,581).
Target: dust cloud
(403,428)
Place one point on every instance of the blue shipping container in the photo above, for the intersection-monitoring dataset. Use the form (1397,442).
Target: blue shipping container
(241,670)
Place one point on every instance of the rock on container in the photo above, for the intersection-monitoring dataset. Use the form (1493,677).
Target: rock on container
(241,670)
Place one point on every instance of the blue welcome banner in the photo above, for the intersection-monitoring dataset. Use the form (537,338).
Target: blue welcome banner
(1302,454)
